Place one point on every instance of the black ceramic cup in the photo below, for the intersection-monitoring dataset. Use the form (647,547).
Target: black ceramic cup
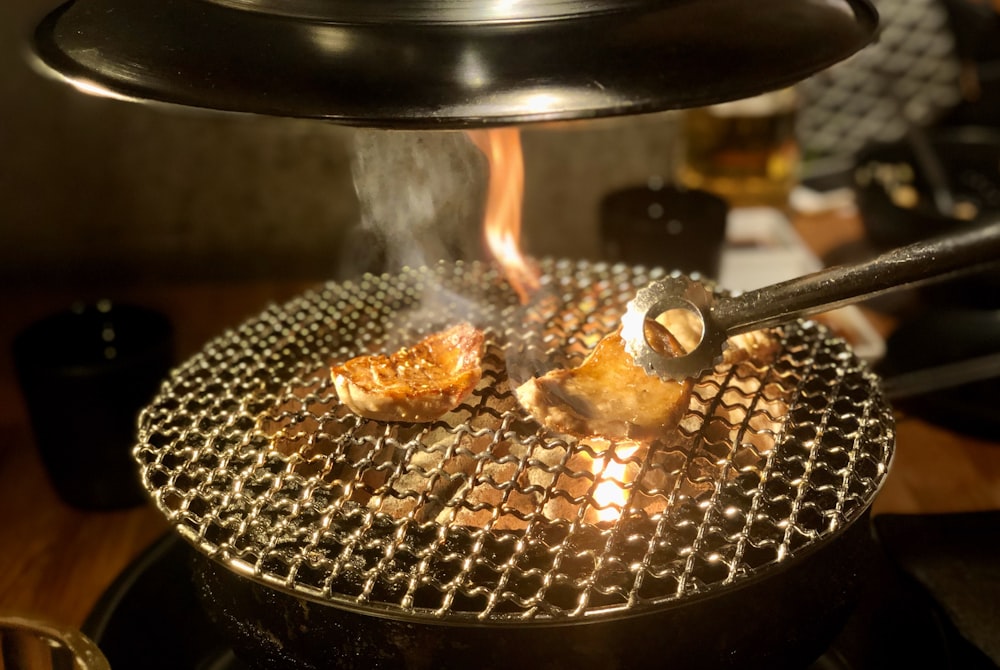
(665,226)
(85,374)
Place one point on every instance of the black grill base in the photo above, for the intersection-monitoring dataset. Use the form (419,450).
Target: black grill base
(150,618)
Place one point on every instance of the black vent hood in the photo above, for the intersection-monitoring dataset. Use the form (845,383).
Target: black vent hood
(445,63)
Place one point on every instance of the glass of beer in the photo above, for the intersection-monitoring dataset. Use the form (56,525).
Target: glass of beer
(744,151)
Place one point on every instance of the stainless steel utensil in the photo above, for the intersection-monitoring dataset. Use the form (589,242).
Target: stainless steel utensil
(724,316)
(33,644)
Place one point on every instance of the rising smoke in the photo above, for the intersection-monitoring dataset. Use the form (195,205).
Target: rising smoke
(421,197)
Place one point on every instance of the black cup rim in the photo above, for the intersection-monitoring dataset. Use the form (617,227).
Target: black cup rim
(622,197)
(32,346)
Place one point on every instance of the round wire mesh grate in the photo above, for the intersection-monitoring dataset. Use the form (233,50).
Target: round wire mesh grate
(483,515)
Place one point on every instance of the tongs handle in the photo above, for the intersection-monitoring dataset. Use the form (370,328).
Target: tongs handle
(843,285)
(722,317)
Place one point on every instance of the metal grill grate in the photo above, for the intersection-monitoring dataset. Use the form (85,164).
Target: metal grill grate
(483,515)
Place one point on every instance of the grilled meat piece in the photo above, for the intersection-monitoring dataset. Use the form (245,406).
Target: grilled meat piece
(415,384)
(608,395)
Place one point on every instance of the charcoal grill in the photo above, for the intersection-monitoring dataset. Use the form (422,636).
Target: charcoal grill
(483,518)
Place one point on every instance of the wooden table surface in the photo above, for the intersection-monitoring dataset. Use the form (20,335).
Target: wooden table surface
(55,561)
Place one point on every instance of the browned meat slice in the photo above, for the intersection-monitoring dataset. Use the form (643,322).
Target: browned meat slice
(418,383)
(608,395)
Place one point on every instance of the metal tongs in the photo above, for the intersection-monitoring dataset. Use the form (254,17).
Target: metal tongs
(724,316)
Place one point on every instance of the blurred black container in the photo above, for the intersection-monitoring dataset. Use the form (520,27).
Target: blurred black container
(975,25)
(894,199)
(938,337)
(85,374)
(666,227)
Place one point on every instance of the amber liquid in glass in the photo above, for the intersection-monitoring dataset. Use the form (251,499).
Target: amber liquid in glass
(745,151)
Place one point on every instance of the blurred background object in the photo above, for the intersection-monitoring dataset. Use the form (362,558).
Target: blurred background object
(895,196)
(909,76)
(976,26)
(745,151)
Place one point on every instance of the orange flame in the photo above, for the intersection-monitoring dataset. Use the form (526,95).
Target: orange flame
(609,493)
(502,220)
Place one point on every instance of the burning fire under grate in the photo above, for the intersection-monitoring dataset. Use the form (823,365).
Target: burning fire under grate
(483,515)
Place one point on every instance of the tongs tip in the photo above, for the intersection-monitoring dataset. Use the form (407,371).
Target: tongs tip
(651,302)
